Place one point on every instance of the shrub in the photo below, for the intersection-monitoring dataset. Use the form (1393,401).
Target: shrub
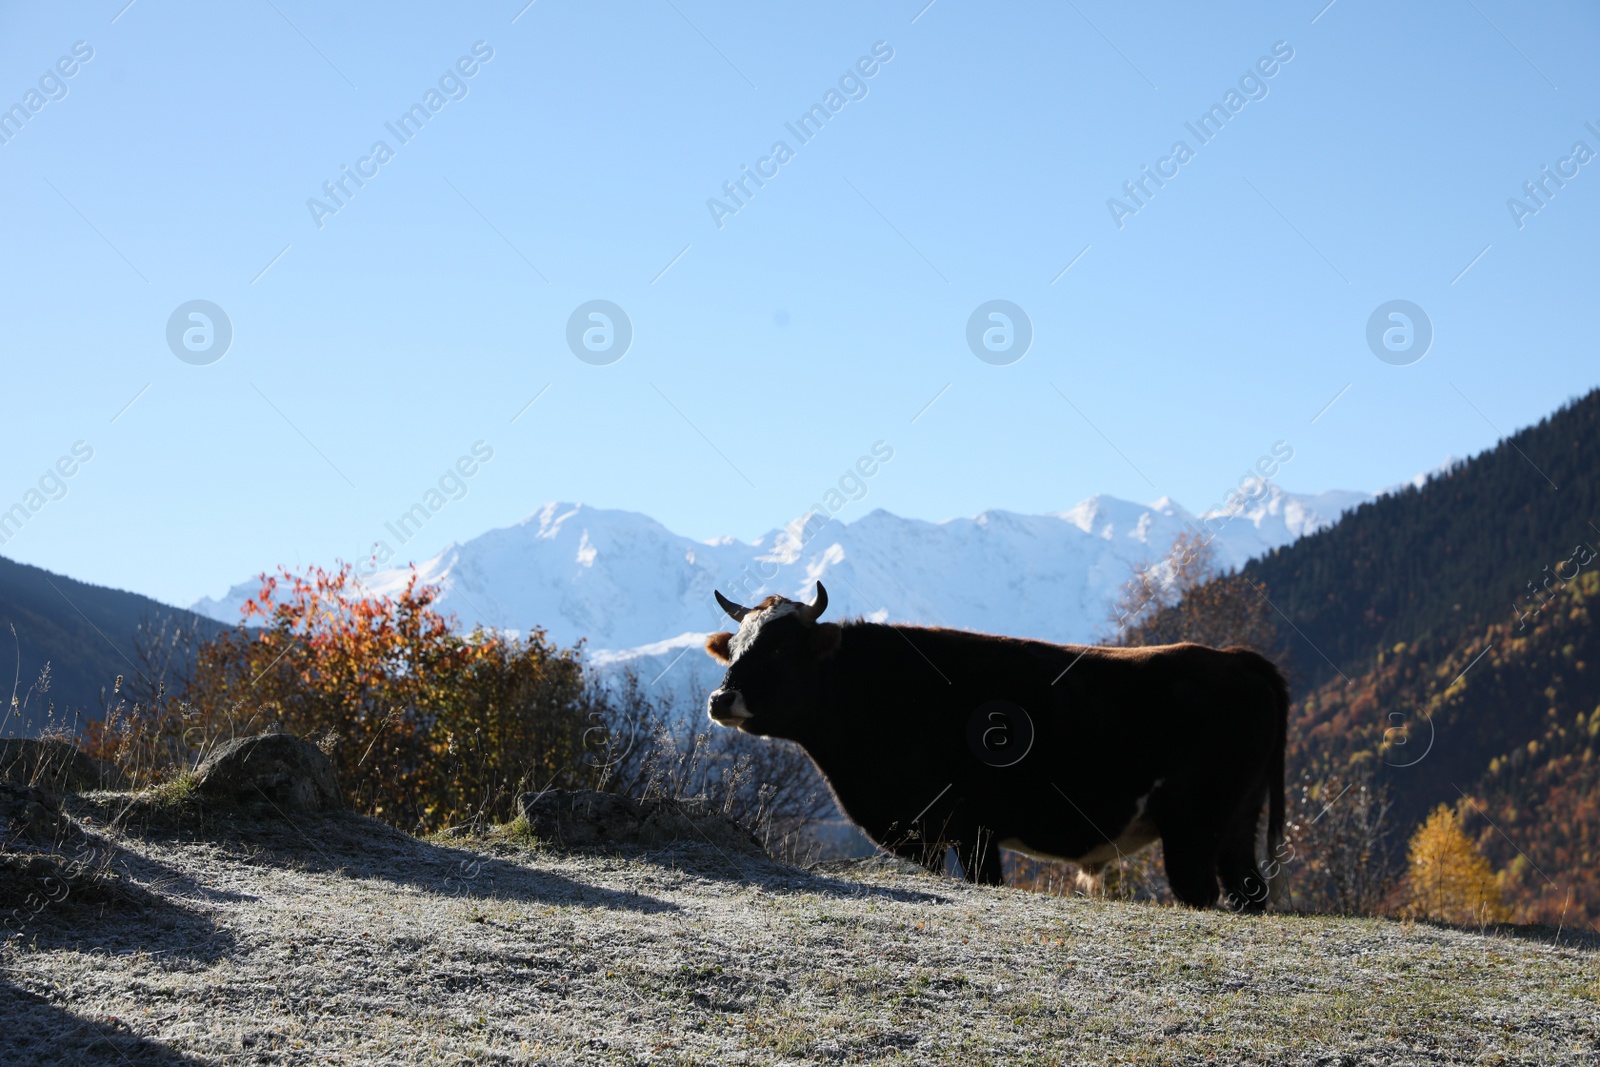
(1338,858)
(1184,597)
(643,747)
(426,727)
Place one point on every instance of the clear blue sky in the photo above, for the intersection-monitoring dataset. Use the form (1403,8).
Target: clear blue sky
(427,311)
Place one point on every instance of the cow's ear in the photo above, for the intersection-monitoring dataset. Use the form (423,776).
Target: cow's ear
(825,639)
(717,647)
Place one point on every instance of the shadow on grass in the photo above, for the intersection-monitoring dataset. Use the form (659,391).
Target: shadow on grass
(355,846)
(123,919)
(1579,937)
(86,893)
(37,1031)
(706,859)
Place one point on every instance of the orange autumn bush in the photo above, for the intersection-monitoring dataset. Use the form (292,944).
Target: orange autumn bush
(427,728)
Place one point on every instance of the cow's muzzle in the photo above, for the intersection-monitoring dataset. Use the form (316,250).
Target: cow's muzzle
(726,707)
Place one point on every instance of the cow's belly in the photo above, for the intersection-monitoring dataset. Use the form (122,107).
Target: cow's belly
(1136,835)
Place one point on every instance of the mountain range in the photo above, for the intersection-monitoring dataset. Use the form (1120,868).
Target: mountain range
(638,593)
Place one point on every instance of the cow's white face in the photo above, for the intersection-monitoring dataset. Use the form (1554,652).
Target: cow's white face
(750,629)
(772,678)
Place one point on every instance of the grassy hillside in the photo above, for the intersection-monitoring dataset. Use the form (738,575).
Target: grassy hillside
(86,633)
(339,940)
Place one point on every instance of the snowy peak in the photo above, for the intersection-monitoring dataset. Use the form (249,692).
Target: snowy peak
(629,587)
(1109,518)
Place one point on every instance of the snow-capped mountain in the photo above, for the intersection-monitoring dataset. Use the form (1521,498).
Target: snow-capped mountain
(639,593)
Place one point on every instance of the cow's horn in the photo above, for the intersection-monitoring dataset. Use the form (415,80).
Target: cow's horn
(812,611)
(734,611)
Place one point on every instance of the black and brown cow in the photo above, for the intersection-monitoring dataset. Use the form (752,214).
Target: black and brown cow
(931,738)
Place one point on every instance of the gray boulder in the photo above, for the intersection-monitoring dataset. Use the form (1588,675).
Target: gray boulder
(45,857)
(30,813)
(58,766)
(277,768)
(585,819)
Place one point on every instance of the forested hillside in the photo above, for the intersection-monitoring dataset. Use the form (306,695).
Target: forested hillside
(1444,559)
(1443,638)
(1503,722)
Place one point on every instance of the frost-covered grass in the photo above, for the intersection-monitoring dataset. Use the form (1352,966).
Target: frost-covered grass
(341,941)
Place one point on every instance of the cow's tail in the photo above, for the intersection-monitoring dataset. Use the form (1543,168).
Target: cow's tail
(1280,742)
(1276,859)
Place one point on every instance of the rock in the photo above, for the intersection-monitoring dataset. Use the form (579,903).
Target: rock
(581,819)
(29,882)
(30,812)
(277,768)
(59,766)
(44,857)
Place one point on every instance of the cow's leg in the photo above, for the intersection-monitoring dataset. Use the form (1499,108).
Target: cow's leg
(1191,858)
(1244,886)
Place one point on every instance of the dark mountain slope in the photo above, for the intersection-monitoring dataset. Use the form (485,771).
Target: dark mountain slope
(1444,637)
(88,634)
(1445,559)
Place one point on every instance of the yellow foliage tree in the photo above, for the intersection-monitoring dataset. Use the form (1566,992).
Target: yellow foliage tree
(1449,879)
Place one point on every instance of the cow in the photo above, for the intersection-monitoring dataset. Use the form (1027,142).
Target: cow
(933,738)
